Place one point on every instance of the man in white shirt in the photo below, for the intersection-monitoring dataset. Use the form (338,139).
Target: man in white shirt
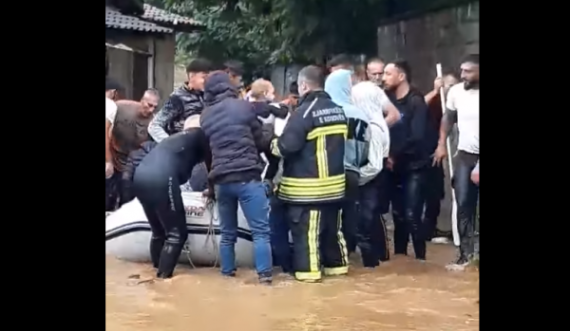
(112,89)
(462,108)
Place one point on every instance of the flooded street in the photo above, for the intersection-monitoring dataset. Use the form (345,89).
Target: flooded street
(402,294)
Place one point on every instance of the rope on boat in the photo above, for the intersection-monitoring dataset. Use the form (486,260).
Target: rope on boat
(211,232)
(210,235)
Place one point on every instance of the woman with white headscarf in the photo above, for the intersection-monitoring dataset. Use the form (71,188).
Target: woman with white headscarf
(372,235)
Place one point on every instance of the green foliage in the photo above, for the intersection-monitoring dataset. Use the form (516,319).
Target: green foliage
(265,32)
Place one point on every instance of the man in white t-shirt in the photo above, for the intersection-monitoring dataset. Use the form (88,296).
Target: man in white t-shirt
(112,89)
(462,108)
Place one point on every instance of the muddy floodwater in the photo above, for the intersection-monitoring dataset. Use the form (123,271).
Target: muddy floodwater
(402,294)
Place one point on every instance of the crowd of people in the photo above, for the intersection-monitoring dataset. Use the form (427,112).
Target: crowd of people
(359,142)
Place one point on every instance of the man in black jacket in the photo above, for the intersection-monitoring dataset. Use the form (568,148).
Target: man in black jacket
(412,143)
(185,101)
(236,139)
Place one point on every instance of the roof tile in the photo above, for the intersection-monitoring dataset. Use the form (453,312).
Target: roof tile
(160,15)
(114,19)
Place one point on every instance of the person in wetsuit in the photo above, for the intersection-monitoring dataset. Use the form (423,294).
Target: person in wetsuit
(157,183)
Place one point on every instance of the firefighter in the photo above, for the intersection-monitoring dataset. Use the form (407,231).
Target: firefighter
(313,183)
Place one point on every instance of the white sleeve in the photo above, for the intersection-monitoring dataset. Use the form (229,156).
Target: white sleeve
(110,110)
(450,102)
(384,100)
(375,155)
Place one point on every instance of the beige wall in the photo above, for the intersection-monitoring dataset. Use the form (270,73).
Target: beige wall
(120,61)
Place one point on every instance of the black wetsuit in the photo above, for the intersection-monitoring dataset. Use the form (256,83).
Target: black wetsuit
(157,183)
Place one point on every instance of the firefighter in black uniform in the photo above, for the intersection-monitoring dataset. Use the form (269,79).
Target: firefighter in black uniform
(313,182)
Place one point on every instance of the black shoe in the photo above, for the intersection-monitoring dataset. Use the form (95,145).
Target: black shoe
(459,264)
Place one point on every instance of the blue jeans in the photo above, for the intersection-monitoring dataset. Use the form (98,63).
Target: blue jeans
(254,204)
(280,235)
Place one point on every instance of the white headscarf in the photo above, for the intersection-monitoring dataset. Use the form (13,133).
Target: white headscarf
(371,99)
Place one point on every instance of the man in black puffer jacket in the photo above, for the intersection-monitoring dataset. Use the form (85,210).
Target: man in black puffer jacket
(236,139)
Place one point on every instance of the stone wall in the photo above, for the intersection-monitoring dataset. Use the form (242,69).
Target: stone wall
(443,36)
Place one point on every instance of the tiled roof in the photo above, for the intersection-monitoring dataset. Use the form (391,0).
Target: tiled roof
(158,15)
(114,19)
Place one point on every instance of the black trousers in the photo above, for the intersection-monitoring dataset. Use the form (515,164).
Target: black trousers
(158,191)
(117,191)
(434,193)
(466,196)
(407,208)
(317,241)
(350,210)
(372,233)
(385,182)
(112,191)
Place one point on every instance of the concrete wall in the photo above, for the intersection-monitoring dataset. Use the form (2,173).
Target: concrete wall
(444,36)
(121,61)
(282,76)
(120,68)
(165,49)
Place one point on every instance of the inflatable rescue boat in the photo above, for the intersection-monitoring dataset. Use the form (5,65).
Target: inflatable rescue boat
(128,234)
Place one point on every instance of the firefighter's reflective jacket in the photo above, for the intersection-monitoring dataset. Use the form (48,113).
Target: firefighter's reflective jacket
(312,148)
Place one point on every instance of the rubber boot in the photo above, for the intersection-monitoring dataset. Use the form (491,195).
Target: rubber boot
(156,244)
(168,259)
(369,259)
(419,244)
(401,235)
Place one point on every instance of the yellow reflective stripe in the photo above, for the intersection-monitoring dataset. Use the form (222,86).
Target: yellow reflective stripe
(275,148)
(308,276)
(328,130)
(321,157)
(312,191)
(310,199)
(313,241)
(336,271)
(316,182)
(341,241)
(326,159)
